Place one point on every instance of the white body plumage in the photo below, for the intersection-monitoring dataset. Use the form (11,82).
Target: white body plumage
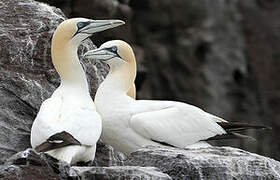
(73,112)
(130,124)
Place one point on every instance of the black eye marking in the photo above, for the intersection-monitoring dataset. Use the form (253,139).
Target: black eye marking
(80,25)
(114,49)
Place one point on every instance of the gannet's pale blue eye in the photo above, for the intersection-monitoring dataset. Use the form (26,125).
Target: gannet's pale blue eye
(114,48)
(80,25)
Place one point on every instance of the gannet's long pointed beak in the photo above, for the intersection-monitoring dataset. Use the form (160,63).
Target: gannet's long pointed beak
(94,26)
(102,54)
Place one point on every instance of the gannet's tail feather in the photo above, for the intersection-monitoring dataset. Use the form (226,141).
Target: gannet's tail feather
(232,129)
(237,127)
(231,135)
(56,141)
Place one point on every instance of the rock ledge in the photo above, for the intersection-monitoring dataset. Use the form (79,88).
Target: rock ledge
(207,163)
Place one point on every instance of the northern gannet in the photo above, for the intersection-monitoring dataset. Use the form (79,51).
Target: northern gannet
(129,124)
(67,125)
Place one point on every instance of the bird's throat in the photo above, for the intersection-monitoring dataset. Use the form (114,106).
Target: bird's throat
(66,62)
(118,81)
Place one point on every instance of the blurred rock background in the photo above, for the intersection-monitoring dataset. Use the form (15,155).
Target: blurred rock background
(221,55)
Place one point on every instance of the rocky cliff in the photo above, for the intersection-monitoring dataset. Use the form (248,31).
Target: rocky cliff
(27,78)
(155,163)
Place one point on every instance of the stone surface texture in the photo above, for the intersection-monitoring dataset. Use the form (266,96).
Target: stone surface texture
(28,165)
(107,156)
(206,163)
(119,172)
(149,163)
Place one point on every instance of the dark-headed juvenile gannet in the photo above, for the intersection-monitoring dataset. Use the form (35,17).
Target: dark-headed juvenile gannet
(129,124)
(67,126)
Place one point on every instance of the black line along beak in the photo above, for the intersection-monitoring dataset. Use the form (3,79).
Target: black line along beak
(103,54)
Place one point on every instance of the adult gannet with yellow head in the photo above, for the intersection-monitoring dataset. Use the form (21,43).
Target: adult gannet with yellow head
(67,125)
(129,124)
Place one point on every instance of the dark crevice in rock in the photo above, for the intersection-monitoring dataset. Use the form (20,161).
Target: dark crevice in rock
(202,50)
(237,76)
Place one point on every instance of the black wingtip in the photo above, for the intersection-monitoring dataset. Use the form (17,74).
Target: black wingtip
(233,128)
(237,126)
(231,135)
(242,136)
(65,136)
(56,141)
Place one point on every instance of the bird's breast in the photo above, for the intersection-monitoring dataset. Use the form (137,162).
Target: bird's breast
(113,106)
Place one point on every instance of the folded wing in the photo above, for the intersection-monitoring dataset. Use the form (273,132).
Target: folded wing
(174,123)
(84,125)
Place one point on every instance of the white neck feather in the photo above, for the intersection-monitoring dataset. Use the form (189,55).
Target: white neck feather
(118,81)
(67,64)
(112,91)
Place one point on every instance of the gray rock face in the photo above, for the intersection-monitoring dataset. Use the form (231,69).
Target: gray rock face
(28,164)
(206,163)
(150,163)
(27,75)
(119,172)
(107,156)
